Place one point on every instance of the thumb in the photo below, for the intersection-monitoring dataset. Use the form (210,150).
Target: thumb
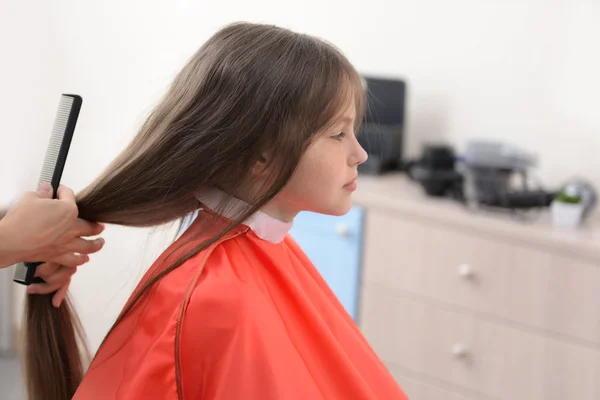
(45,190)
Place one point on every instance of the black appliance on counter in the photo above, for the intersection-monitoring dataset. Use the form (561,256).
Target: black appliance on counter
(382,131)
(436,171)
(485,178)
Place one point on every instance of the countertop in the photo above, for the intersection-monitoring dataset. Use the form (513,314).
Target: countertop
(397,194)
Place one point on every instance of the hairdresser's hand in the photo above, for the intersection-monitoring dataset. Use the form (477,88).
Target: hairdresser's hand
(39,228)
(57,279)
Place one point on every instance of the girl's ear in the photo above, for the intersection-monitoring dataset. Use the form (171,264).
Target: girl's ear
(260,166)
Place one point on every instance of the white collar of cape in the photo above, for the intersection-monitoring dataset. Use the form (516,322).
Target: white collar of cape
(263,225)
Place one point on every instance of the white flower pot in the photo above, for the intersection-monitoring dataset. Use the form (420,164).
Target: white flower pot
(566,215)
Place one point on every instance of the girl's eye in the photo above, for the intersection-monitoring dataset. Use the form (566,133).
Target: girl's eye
(339,136)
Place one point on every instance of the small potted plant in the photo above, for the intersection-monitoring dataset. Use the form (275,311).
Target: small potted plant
(567,209)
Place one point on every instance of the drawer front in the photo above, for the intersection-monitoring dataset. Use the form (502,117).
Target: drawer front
(506,280)
(417,389)
(334,246)
(488,358)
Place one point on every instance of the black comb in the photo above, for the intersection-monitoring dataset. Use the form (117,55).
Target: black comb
(52,169)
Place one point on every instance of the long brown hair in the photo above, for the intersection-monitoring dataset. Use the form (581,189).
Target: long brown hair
(252,94)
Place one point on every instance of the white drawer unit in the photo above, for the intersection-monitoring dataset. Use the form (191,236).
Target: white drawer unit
(484,357)
(463,305)
(420,388)
(547,291)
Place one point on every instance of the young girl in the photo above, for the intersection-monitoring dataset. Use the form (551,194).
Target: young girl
(258,126)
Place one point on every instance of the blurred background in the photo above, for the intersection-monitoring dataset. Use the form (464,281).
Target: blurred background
(471,259)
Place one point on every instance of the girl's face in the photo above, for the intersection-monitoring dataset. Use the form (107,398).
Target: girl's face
(326,176)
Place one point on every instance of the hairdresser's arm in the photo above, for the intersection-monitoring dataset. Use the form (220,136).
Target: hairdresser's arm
(38,228)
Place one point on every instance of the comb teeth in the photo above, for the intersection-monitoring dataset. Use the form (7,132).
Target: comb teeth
(56,139)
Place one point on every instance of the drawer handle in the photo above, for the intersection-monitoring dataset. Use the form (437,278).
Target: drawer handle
(342,229)
(465,271)
(459,350)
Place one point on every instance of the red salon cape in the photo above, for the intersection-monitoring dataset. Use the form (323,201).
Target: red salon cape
(258,322)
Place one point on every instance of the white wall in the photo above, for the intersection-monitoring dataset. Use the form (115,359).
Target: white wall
(28,101)
(522,71)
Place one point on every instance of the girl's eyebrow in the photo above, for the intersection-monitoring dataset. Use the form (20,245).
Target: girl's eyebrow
(344,119)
